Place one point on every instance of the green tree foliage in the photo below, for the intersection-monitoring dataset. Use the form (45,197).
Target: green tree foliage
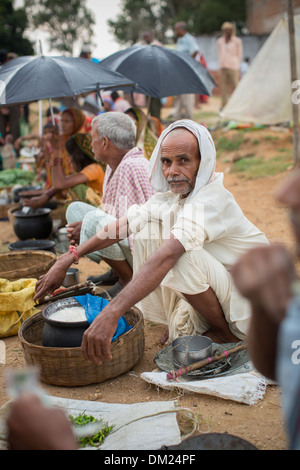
(65,21)
(13,23)
(212,14)
(202,17)
(137,15)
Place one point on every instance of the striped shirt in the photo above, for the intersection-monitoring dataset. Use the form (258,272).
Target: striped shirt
(129,184)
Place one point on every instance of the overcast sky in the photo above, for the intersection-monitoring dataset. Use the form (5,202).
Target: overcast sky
(105,43)
(104,10)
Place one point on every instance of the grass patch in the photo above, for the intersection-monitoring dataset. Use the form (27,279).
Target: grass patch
(271,137)
(258,167)
(205,115)
(229,145)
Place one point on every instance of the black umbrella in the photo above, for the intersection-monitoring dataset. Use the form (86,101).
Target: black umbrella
(33,78)
(160,72)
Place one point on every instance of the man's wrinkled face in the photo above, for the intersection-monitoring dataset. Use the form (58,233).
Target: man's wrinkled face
(97,144)
(180,160)
(289,195)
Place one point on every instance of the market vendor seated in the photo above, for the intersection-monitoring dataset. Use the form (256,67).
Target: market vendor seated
(126,183)
(85,184)
(186,238)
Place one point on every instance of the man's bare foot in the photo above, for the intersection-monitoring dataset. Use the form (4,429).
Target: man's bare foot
(165,336)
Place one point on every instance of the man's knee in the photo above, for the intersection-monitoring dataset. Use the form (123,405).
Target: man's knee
(196,271)
(76,211)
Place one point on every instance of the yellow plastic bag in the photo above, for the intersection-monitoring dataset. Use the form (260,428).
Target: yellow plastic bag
(16,304)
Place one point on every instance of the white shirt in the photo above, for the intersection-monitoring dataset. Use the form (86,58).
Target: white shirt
(213,221)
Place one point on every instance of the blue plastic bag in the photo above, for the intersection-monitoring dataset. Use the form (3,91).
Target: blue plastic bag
(94,305)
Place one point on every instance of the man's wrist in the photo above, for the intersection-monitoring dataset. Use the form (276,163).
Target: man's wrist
(66,259)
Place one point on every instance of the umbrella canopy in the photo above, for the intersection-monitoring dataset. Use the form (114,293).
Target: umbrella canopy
(160,72)
(33,78)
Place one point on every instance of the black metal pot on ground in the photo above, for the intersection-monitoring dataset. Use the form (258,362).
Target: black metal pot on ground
(35,224)
(45,245)
(60,334)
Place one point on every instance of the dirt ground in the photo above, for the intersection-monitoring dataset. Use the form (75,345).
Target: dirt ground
(261,424)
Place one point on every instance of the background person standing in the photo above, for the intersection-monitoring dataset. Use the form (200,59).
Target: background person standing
(230,54)
(186,43)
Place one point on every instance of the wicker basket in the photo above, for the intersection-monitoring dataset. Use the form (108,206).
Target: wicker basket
(4,208)
(67,366)
(25,264)
(10,213)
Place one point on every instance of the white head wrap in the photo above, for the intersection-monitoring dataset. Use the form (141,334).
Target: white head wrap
(207,151)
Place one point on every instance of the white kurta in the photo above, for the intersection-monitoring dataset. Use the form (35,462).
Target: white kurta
(214,232)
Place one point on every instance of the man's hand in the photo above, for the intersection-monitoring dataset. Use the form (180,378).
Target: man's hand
(32,426)
(51,281)
(264,275)
(74,232)
(97,338)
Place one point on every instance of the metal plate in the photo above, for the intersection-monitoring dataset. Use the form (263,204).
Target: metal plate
(208,371)
(238,362)
(213,441)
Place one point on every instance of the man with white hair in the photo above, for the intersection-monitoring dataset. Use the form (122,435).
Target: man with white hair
(186,238)
(126,182)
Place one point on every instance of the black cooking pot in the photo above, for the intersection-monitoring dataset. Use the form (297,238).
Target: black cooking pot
(35,224)
(45,245)
(59,334)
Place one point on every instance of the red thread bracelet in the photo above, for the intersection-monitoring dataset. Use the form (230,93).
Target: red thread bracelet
(73,250)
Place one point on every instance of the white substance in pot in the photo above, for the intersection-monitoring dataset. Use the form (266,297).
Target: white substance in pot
(69,314)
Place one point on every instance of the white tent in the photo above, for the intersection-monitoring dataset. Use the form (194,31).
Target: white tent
(264,95)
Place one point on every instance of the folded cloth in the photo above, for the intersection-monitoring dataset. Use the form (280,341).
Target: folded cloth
(93,305)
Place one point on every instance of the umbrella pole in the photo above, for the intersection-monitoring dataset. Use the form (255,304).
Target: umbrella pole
(132,99)
(100,97)
(51,111)
(40,118)
(148,105)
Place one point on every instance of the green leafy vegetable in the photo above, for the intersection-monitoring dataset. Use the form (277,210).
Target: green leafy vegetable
(14,176)
(94,440)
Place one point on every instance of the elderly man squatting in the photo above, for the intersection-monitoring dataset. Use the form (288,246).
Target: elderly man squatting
(181,261)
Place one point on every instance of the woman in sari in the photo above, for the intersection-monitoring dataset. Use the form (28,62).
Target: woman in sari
(148,130)
(85,184)
(71,122)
